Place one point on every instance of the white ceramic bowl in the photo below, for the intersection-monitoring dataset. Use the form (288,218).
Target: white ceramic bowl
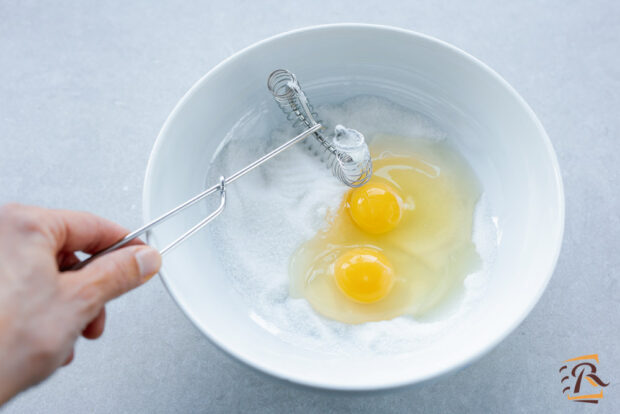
(488,121)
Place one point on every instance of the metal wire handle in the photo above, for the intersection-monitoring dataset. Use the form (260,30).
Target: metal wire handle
(221,187)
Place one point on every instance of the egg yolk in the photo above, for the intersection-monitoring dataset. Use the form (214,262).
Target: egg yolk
(375,207)
(364,275)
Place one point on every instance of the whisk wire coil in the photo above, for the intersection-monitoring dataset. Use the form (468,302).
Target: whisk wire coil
(350,170)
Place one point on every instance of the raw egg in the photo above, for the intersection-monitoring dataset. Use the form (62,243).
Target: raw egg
(399,245)
(375,208)
(364,275)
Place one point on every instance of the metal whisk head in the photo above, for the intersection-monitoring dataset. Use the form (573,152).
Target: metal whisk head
(346,154)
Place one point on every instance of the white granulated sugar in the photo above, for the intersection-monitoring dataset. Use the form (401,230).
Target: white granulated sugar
(274,209)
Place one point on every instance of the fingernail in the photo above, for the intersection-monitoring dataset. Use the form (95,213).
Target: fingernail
(149,261)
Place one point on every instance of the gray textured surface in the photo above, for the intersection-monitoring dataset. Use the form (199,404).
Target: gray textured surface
(85,87)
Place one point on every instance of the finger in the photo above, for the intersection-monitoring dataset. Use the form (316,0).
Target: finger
(95,328)
(117,272)
(69,358)
(82,231)
(66,260)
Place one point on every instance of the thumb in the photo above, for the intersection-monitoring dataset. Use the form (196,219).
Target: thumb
(120,271)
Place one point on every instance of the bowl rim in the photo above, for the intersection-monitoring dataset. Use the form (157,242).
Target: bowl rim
(369,385)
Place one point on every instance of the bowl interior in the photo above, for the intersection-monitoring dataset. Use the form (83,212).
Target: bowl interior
(486,120)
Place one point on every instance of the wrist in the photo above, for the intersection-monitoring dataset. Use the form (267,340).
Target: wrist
(9,369)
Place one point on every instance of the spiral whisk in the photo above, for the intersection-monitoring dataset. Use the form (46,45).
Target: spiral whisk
(346,153)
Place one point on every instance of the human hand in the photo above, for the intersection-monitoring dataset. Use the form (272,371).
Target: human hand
(44,310)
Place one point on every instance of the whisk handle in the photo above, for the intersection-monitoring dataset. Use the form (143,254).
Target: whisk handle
(220,186)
